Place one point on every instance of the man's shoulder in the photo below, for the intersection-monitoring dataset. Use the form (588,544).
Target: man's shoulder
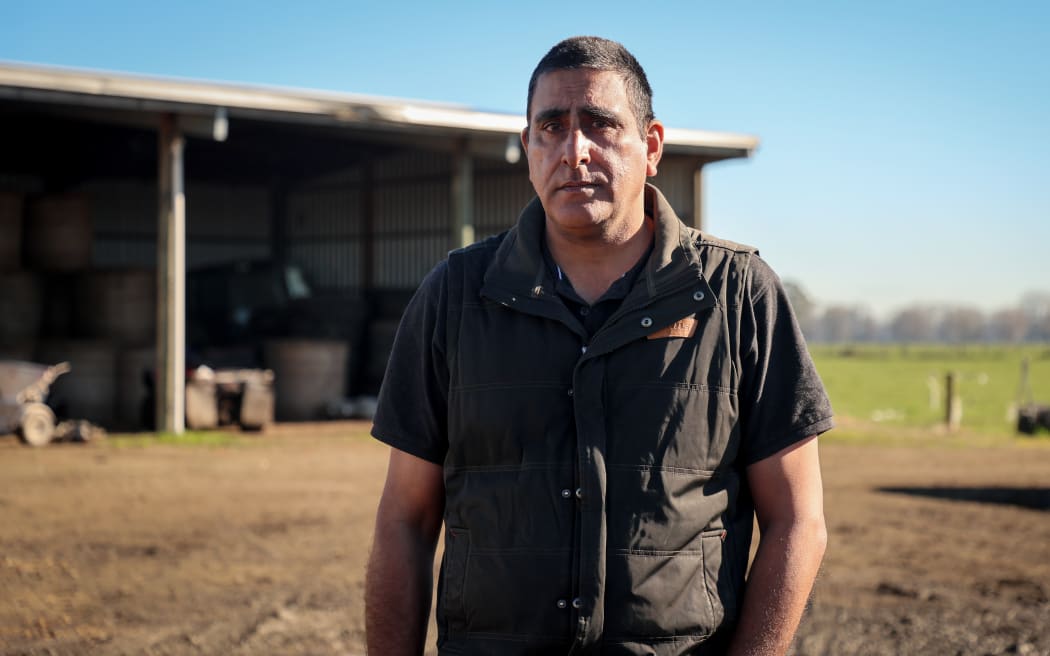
(465,267)
(707,240)
(736,270)
(741,267)
(479,250)
(721,255)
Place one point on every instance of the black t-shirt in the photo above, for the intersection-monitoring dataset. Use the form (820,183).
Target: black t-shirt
(593,316)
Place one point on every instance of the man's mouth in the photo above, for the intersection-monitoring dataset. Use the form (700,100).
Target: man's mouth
(577,185)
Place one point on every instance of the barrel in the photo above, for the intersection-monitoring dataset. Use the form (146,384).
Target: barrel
(119,305)
(20,306)
(308,375)
(132,366)
(87,391)
(10,231)
(58,233)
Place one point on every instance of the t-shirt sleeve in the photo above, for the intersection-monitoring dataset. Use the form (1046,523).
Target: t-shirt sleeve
(782,399)
(413,399)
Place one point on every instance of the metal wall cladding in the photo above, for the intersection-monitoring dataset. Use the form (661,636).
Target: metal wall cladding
(414,214)
(226,224)
(499,196)
(325,213)
(324,229)
(125,223)
(328,232)
(411,231)
(343,178)
(223,223)
(408,165)
(675,180)
(410,227)
(204,253)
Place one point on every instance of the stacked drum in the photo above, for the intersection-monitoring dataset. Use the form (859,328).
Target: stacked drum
(54,307)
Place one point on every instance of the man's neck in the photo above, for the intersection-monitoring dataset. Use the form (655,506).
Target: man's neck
(593,264)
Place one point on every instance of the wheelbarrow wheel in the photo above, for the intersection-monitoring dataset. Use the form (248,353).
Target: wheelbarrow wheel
(38,425)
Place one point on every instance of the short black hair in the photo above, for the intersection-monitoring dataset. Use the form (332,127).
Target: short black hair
(603,55)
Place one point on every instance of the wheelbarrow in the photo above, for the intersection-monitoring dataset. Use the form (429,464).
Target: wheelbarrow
(23,388)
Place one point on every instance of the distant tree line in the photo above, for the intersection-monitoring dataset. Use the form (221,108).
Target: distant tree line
(1028,321)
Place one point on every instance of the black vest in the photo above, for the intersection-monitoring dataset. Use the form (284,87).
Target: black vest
(594,502)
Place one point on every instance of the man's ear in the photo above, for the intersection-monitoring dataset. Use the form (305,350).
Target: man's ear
(654,142)
(525,139)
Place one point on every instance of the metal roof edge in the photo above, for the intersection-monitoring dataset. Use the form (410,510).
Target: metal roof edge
(357,109)
(677,138)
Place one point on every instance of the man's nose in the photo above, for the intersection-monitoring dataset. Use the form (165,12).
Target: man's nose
(577,149)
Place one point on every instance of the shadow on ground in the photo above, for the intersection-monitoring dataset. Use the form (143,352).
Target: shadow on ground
(1035,498)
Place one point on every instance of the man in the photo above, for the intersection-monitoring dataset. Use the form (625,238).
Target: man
(597,404)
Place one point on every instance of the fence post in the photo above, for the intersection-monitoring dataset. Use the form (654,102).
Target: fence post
(952,403)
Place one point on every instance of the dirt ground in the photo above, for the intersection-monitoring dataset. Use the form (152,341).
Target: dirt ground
(259,547)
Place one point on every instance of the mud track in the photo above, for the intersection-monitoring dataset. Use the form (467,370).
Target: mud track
(259,547)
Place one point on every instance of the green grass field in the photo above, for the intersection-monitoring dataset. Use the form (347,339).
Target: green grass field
(904,386)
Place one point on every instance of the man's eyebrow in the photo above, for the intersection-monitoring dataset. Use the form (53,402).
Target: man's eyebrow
(600,112)
(592,111)
(548,114)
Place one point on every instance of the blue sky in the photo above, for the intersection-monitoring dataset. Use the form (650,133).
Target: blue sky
(905,145)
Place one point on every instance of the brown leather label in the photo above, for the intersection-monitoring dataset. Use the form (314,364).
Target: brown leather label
(684,327)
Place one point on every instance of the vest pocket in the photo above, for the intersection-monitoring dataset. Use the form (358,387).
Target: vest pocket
(457,551)
(720,581)
(654,593)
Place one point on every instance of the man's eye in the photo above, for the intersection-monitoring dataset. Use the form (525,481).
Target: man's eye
(551,126)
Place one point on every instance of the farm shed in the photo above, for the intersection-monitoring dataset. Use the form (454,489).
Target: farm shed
(293,224)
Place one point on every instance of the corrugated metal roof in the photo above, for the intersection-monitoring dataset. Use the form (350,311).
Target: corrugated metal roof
(92,88)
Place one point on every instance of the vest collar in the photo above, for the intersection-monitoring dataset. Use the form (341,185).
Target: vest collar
(518,265)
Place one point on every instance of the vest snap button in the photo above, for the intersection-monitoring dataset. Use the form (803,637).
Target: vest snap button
(566,493)
(569,392)
(577,603)
(646,322)
(562,603)
(579,493)
(698,296)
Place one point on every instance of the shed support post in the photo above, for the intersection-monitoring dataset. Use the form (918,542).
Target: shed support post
(462,233)
(171,281)
(698,198)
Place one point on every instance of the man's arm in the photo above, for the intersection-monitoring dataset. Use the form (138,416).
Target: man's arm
(400,576)
(789,505)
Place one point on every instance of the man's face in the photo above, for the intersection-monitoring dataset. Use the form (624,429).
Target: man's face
(588,160)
